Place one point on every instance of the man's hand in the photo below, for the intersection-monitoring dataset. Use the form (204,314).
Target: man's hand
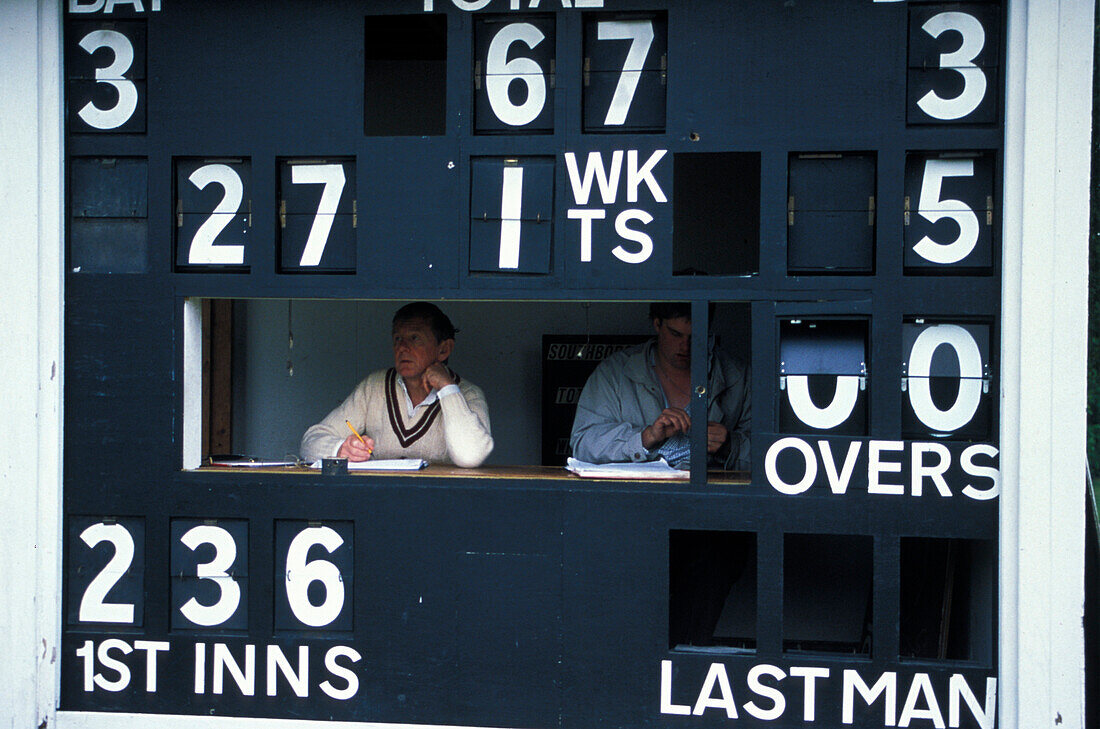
(670,422)
(353,450)
(436,376)
(717,435)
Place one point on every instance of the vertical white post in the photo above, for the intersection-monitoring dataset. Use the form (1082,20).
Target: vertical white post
(1045,307)
(192,383)
(31,358)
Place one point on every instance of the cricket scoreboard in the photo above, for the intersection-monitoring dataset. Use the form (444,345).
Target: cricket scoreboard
(834,170)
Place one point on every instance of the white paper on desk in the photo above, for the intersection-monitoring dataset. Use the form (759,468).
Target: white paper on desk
(249,463)
(644,470)
(383,464)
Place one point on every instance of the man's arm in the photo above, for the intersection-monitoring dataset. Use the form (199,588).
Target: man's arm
(465,424)
(324,439)
(600,433)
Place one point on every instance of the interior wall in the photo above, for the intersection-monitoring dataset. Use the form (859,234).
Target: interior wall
(280,390)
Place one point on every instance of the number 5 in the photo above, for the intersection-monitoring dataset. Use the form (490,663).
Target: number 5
(933,209)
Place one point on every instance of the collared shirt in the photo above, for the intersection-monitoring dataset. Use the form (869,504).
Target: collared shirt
(433,395)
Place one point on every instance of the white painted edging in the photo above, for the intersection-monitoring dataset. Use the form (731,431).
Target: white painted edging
(1043,363)
(30,359)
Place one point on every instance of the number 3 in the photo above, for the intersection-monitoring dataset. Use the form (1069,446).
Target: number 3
(123,51)
(960,61)
(225,553)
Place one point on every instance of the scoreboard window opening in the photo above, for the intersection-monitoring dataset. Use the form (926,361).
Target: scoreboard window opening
(948,590)
(405,76)
(716,219)
(712,589)
(827,593)
(259,372)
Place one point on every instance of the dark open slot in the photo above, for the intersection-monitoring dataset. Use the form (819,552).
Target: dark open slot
(712,589)
(716,214)
(827,593)
(405,75)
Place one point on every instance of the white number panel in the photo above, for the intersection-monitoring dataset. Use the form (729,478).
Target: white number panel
(949,213)
(823,376)
(953,63)
(313,575)
(625,72)
(511,208)
(318,215)
(514,75)
(209,573)
(946,383)
(105,70)
(106,566)
(213,213)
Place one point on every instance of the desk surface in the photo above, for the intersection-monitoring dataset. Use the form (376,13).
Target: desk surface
(542,473)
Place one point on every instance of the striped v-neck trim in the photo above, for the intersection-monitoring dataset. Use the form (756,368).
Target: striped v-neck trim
(407,435)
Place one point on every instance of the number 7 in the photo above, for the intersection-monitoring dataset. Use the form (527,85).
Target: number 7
(640,34)
(332,177)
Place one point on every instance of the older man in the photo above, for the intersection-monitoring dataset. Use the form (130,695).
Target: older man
(634,406)
(419,408)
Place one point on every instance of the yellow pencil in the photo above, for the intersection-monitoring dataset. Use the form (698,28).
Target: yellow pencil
(356,432)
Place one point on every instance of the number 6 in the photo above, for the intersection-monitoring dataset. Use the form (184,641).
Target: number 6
(500,73)
(300,574)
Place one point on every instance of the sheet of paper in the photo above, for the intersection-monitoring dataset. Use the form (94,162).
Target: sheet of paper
(383,464)
(645,470)
(247,462)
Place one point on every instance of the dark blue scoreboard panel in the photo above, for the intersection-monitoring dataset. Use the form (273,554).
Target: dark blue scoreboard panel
(834,169)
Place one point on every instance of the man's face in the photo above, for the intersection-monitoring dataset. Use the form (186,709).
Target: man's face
(674,341)
(415,348)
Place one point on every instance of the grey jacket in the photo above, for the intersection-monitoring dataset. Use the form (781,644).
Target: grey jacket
(623,396)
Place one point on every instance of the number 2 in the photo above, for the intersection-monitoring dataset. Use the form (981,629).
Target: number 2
(202,248)
(93,609)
